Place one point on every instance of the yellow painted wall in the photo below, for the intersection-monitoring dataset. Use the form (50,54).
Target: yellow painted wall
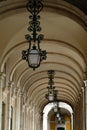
(68,123)
(52,123)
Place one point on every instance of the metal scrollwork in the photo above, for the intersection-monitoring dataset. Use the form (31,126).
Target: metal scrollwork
(34,7)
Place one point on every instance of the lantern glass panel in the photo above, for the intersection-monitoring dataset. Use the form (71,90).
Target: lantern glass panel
(34,58)
(51,97)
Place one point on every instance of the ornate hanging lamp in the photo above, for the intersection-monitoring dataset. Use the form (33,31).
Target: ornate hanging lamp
(34,55)
(52,94)
(56,106)
(58,115)
(56,109)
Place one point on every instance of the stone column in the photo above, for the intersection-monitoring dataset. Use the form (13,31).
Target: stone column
(38,121)
(83,96)
(8,106)
(42,121)
(33,110)
(35,118)
(21,117)
(29,119)
(71,122)
(86,103)
(30,112)
(20,110)
(15,109)
(24,109)
(1,85)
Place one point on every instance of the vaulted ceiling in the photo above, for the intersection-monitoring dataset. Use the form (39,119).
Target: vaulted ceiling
(64,26)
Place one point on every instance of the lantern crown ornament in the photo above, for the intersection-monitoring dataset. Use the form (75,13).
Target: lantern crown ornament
(34,55)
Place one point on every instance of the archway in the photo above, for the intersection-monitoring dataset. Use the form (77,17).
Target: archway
(46,111)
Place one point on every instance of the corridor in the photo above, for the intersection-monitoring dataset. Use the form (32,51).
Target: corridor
(24,92)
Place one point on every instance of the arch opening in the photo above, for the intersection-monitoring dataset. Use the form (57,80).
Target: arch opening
(46,116)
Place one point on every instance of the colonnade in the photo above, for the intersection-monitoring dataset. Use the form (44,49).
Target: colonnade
(79,119)
(20,114)
(23,114)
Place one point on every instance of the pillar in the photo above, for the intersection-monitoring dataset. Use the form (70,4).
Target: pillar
(8,106)
(21,118)
(85,104)
(29,119)
(19,110)
(72,128)
(79,113)
(33,112)
(1,85)
(83,96)
(24,110)
(14,109)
